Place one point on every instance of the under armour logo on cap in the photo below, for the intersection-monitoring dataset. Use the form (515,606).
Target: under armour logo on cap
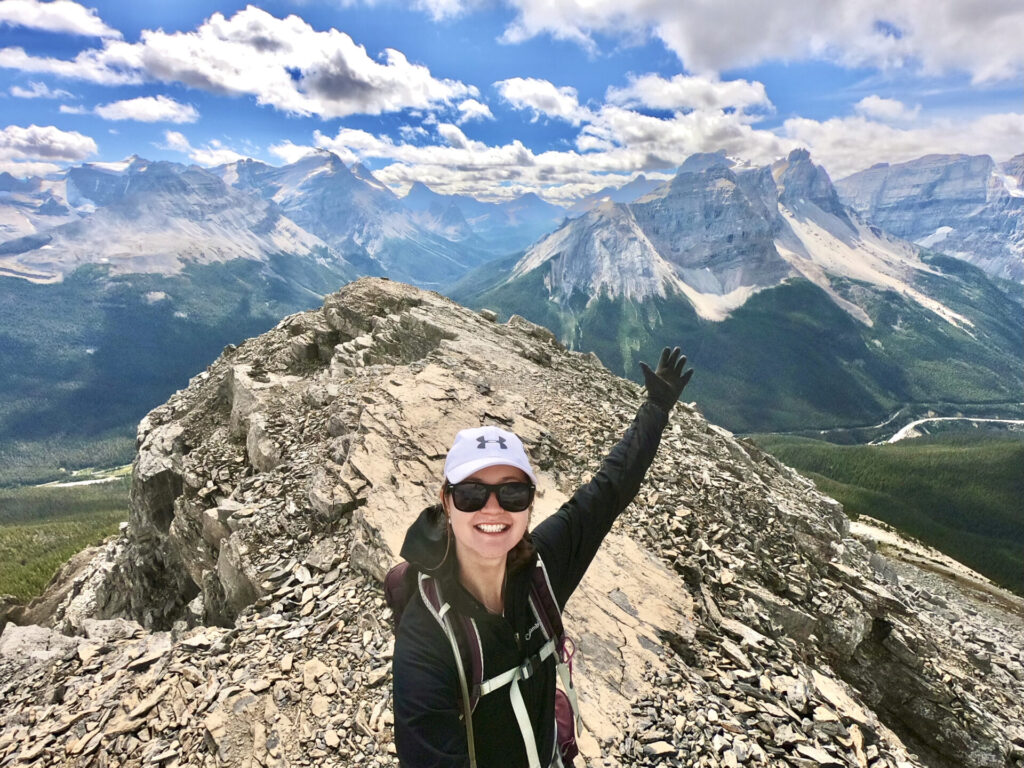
(480,447)
(483,441)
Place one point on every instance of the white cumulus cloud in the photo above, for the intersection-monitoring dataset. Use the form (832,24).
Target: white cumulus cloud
(886,110)
(44,142)
(612,146)
(847,145)
(61,16)
(442,9)
(471,109)
(290,152)
(284,63)
(37,90)
(26,169)
(115,64)
(685,92)
(981,38)
(214,153)
(149,109)
(542,98)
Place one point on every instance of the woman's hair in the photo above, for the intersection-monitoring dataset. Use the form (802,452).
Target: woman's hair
(521,554)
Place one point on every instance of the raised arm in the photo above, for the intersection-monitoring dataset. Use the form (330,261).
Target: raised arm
(569,539)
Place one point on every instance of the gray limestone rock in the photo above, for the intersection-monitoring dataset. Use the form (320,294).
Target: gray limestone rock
(962,205)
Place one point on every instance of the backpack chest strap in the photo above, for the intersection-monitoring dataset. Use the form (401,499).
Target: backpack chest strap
(511,678)
(524,671)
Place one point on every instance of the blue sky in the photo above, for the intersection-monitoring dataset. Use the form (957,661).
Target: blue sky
(499,97)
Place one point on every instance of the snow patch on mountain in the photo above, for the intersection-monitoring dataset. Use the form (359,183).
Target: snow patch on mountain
(818,254)
(936,237)
(1011,185)
(365,175)
(115,166)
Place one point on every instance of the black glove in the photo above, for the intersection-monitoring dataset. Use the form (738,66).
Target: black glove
(665,385)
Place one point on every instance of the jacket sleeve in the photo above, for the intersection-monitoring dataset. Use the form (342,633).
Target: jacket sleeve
(569,539)
(429,731)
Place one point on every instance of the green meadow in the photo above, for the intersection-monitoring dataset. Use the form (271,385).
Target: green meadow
(42,526)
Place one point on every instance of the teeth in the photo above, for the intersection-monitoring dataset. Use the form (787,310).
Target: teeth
(493,528)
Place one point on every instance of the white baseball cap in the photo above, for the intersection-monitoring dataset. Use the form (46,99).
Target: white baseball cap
(480,447)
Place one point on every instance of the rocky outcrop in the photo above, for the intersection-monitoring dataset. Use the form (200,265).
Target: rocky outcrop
(717,225)
(800,181)
(732,618)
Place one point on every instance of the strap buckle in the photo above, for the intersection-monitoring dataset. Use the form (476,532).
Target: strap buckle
(528,668)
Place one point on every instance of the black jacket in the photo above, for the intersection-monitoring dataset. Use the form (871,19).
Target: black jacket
(429,732)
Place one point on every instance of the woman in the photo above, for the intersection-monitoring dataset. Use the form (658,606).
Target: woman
(476,545)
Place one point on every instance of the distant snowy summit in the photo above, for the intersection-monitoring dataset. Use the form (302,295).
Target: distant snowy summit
(139,216)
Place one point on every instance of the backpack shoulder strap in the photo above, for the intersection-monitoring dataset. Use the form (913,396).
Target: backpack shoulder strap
(542,598)
(398,586)
(545,607)
(430,591)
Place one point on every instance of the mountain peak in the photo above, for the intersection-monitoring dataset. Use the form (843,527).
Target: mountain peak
(964,205)
(365,175)
(602,252)
(800,181)
(703,161)
(9,183)
(420,197)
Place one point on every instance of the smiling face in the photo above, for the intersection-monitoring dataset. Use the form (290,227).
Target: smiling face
(485,537)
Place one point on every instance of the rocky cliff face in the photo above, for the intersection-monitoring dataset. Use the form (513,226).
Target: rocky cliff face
(604,251)
(963,205)
(717,225)
(733,617)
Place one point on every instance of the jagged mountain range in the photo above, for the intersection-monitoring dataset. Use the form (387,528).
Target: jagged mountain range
(163,264)
(156,217)
(145,217)
(503,227)
(734,616)
(966,206)
(155,266)
(801,312)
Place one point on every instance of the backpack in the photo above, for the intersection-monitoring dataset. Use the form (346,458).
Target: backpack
(464,638)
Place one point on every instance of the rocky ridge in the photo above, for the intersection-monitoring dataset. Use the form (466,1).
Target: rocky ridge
(732,619)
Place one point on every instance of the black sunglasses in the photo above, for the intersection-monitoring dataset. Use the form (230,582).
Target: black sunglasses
(471,496)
